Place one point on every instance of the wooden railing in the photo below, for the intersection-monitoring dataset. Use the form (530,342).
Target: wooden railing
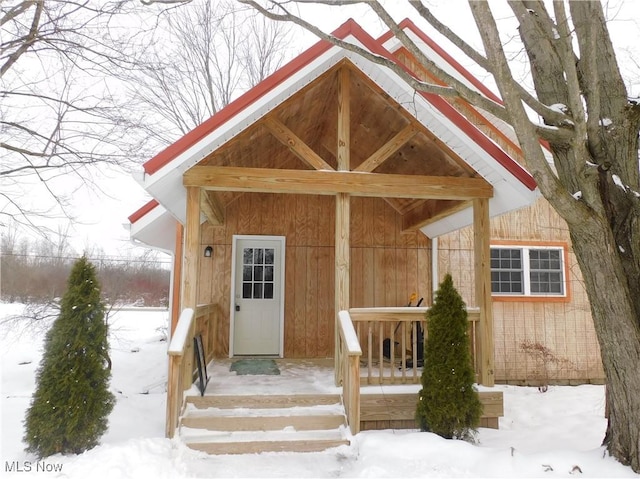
(349,358)
(182,367)
(179,345)
(389,339)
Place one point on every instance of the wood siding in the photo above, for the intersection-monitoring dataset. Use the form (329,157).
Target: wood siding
(564,327)
(386,265)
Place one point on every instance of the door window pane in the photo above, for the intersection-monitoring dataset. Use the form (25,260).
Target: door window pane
(258,279)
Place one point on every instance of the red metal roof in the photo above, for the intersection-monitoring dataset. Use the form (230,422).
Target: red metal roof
(143,211)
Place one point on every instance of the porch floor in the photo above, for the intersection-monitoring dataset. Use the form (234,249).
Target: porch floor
(297,376)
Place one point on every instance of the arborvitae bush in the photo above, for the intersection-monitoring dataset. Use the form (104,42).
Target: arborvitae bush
(448,404)
(72,401)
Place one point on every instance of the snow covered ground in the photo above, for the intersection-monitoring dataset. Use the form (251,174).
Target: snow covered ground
(552,434)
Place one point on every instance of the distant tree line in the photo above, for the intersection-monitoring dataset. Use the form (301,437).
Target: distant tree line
(37,272)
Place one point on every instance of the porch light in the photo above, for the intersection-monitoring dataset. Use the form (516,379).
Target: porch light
(208,251)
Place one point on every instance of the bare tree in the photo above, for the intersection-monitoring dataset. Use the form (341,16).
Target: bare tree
(57,117)
(201,56)
(591,126)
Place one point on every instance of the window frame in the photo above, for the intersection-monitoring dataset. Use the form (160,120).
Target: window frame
(527,295)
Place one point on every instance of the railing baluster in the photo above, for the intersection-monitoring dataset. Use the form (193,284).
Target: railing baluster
(369,351)
(403,356)
(380,352)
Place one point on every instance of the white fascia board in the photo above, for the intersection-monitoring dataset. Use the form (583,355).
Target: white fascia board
(155,229)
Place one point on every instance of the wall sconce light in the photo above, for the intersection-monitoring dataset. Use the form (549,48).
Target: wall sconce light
(208,251)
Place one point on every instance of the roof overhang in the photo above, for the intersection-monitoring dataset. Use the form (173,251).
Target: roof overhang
(513,187)
(152,225)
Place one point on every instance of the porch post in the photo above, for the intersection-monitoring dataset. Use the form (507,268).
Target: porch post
(343,215)
(482,268)
(342,269)
(190,271)
(176,278)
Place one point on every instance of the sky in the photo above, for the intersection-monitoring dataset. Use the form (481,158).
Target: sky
(101,214)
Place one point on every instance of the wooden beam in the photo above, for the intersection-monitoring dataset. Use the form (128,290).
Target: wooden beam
(388,149)
(344,122)
(342,262)
(430,212)
(190,271)
(176,278)
(211,207)
(332,182)
(295,144)
(482,268)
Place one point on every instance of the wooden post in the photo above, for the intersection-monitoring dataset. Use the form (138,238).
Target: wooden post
(344,125)
(176,278)
(190,273)
(342,268)
(342,240)
(482,268)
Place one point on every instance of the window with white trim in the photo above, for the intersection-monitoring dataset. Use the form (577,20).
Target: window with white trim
(527,271)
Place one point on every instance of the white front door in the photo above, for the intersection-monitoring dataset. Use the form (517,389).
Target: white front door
(257,296)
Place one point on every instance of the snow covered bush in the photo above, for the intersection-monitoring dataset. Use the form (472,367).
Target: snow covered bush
(72,401)
(448,404)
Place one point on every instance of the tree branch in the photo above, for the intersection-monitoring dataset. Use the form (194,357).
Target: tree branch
(28,41)
(380,60)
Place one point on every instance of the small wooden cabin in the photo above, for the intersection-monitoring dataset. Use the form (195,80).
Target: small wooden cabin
(303,216)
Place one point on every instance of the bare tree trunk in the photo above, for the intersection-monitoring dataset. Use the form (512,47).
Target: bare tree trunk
(612,308)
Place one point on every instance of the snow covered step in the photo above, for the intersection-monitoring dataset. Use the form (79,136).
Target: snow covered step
(263,402)
(251,442)
(264,423)
(253,424)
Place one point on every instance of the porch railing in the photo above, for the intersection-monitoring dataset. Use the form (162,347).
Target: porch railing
(177,369)
(389,339)
(390,352)
(182,367)
(349,353)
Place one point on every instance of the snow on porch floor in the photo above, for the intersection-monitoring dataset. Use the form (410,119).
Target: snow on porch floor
(297,376)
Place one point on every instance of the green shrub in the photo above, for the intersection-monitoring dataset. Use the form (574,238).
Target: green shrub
(72,401)
(448,403)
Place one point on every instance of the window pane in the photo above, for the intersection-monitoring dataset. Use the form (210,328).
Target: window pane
(246,290)
(268,290)
(257,291)
(269,255)
(546,274)
(257,273)
(258,256)
(246,273)
(247,257)
(506,271)
(268,273)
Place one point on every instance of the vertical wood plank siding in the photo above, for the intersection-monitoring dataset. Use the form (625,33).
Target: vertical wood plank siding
(565,327)
(386,266)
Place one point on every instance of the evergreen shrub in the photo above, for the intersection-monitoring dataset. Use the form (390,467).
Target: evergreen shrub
(70,407)
(448,403)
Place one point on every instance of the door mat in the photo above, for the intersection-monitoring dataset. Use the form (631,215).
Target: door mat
(267,367)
